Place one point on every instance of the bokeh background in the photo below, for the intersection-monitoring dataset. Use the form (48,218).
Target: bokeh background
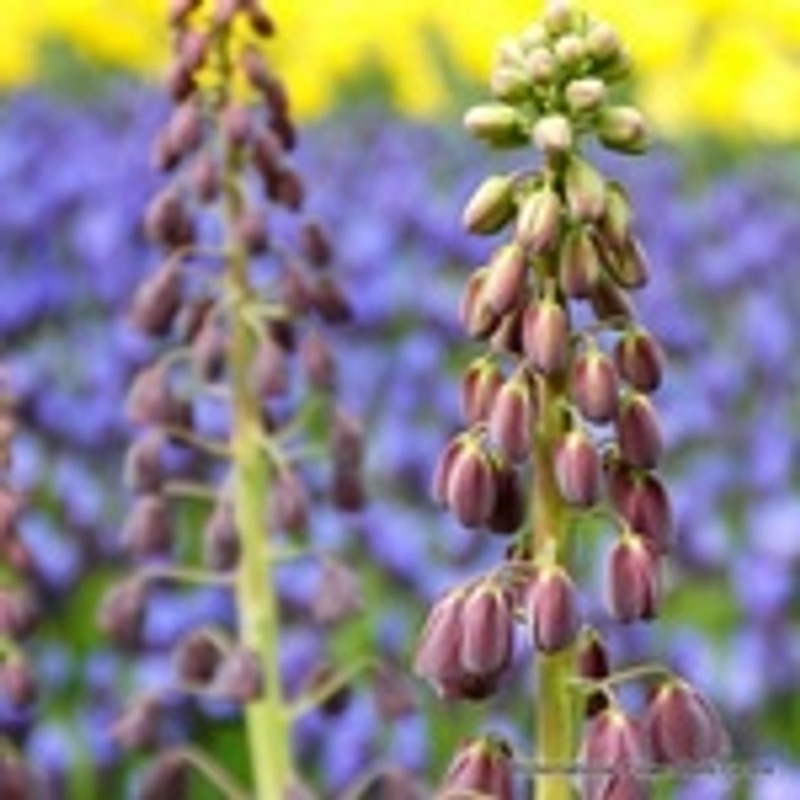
(380,87)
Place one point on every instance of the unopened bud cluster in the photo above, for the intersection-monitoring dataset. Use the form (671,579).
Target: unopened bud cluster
(562,396)
(259,355)
(18,618)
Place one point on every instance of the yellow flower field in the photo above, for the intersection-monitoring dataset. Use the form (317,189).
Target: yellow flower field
(729,66)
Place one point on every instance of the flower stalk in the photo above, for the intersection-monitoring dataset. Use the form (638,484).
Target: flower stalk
(560,402)
(226,146)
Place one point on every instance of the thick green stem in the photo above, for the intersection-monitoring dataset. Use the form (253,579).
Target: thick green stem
(553,701)
(267,722)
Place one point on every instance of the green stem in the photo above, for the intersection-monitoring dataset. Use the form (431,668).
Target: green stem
(554,703)
(267,722)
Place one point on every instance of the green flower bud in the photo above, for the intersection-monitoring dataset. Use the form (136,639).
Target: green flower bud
(553,135)
(623,128)
(616,222)
(602,42)
(506,281)
(510,84)
(559,17)
(496,123)
(490,207)
(539,221)
(585,189)
(585,94)
(534,35)
(570,50)
(541,66)
(579,263)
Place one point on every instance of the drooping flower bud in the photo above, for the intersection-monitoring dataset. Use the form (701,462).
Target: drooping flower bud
(585,94)
(239,676)
(491,205)
(512,417)
(122,614)
(158,299)
(438,653)
(139,728)
(614,757)
(682,727)
(221,545)
(481,768)
(497,124)
(640,360)
(602,42)
(318,362)
(551,608)
(167,222)
(166,779)
(593,664)
(540,64)
(506,279)
(479,387)
(339,595)
(290,502)
(510,84)
(579,264)
(578,469)
(270,370)
(476,314)
(639,432)
(545,335)
(147,530)
(444,469)
(18,682)
(570,51)
(487,641)
(585,190)
(198,656)
(616,223)
(508,514)
(634,584)
(628,265)
(539,221)
(644,503)
(610,303)
(471,487)
(553,135)
(143,470)
(594,387)
(623,128)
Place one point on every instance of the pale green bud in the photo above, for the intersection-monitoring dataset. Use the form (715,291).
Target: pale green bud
(559,17)
(510,84)
(585,94)
(534,35)
(570,50)
(539,221)
(602,42)
(623,128)
(553,135)
(495,123)
(585,190)
(490,207)
(541,65)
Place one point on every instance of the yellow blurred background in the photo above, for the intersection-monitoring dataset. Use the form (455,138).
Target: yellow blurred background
(723,66)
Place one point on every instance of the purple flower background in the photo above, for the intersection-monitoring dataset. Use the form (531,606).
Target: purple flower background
(724,300)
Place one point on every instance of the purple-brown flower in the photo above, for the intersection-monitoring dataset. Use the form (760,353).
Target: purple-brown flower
(634,585)
(682,727)
(481,767)
(551,609)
